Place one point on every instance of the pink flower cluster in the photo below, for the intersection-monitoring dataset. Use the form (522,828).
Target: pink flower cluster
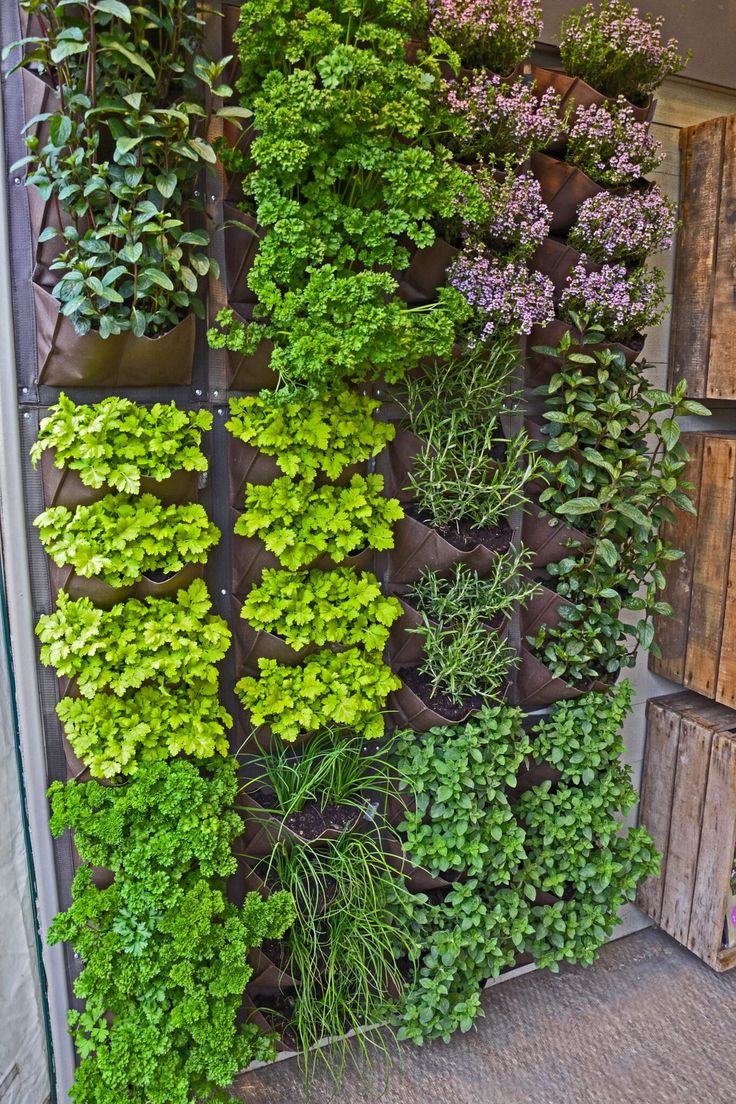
(622,304)
(624,228)
(495,34)
(505,296)
(609,144)
(624,48)
(515,215)
(500,119)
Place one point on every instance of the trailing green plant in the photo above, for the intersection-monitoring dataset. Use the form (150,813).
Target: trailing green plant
(605,477)
(153,640)
(617,50)
(116,442)
(114,736)
(299,521)
(124,149)
(320,437)
(346,688)
(341,606)
(164,952)
(347,176)
(471,935)
(467,471)
(123,537)
(347,946)
(335,767)
(457,779)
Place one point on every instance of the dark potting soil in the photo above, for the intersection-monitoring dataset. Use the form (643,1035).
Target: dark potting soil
(311,822)
(159,576)
(441,703)
(464,537)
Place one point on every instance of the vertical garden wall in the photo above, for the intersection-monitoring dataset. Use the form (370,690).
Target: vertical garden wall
(345,485)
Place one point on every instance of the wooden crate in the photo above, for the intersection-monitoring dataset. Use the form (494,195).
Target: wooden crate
(703,335)
(698,643)
(688,804)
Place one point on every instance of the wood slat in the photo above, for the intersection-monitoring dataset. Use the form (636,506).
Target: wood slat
(702,149)
(722,360)
(716,852)
(710,570)
(657,787)
(688,798)
(671,633)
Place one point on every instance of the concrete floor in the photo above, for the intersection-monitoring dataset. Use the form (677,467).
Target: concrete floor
(647,1024)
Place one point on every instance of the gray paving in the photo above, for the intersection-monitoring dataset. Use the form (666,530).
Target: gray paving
(647,1024)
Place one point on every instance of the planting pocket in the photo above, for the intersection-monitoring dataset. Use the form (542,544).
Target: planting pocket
(556,260)
(427,272)
(250,556)
(563,188)
(251,372)
(63,487)
(252,645)
(540,367)
(241,249)
(548,542)
(247,464)
(417,546)
(104,596)
(68,359)
(576,93)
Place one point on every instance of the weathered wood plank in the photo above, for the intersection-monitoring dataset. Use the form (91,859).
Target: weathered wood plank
(722,360)
(688,798)
(710,571)
(657,786)
(702,149)
(716,852)
(671,633)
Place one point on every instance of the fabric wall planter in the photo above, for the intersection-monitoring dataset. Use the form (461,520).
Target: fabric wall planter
(417,547)
(104,596)
(540,367)
(63,487)
(405,644)
(563,189)
(66,359)
(556,259)
(427,272)
(399,457)
(250,557)
(264,829)
(577,93)
(45,215)
(241,248)
(252,372)
(549,542)
(252,645)
(247,464)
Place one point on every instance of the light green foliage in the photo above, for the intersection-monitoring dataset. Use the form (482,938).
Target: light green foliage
(582,738)
(606,478)
(323,436)
(124,151)
(470,936)
(457,779)
(299,521)
(158,640)
(329,688)
(122,537)
(117,442)
(114,736)
(322,607)
(164,952)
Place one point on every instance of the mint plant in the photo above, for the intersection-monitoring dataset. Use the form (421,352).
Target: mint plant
(339,607)
(327,689)
(457,779)
(117,442)
(114,736)
(320,437)
(299,521)
(158,640)
(123,537)
(164,952)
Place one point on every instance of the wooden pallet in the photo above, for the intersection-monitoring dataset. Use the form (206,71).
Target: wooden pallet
(688,804)
(703,336)
(698,643)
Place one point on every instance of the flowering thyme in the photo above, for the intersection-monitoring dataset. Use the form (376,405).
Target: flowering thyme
(503,211)
(488,34)
(608,144)
(623,304)
(506,296)
(499,119)
(624,228)
(617,50)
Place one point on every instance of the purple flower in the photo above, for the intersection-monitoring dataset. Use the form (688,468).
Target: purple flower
(608,144)
(502,210)
(622,304)
(617,50)
(506,296)
(504,121)
(624,228)
(492,34)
